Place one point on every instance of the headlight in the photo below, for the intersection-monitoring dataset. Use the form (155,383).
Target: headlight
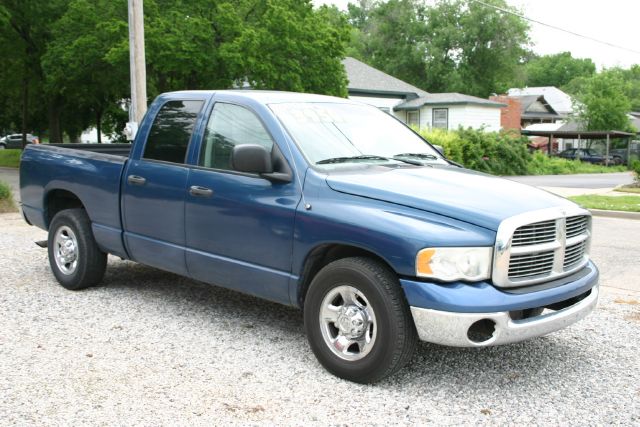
(449,264)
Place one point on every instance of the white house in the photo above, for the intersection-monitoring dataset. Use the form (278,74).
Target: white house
(417,107)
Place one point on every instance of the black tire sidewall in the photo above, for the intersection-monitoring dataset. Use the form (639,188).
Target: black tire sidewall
(368,368)
(87,272)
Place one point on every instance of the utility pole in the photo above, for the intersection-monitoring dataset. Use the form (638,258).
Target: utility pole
(137,68)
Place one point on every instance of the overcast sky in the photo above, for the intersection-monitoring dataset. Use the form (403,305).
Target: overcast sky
(613,21)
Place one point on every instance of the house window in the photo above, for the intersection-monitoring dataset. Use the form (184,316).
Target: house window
(440,118)
(413,118)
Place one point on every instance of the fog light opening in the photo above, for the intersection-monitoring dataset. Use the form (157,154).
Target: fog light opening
(481,331)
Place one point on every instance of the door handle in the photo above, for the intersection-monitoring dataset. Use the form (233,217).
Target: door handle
(136,180)
(197,191)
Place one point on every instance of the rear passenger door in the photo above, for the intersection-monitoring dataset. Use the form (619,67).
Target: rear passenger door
(154,189)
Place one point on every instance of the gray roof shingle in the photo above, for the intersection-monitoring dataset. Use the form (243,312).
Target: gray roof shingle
(452,98)
(364,78)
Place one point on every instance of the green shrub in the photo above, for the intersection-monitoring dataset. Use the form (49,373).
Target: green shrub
(635,167)
(497,153)
(6,199)
(542,164)
(505,153)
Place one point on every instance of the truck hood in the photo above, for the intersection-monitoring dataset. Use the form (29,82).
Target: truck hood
(462,194)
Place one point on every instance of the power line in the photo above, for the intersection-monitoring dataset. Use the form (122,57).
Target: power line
(555,27)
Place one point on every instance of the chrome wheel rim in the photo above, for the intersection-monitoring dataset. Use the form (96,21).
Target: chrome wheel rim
(348,323)
(65,250)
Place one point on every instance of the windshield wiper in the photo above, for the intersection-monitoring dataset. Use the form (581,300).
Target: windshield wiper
(366,157)
(350,158)
(423,156)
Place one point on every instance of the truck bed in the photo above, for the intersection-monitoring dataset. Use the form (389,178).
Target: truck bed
(91,171)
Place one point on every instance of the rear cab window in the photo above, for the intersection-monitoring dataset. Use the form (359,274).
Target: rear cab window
(171,131)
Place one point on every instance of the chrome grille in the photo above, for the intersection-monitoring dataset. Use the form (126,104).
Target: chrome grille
(531,234)
(528,265)
(574,254)
(577,225)
(540,246)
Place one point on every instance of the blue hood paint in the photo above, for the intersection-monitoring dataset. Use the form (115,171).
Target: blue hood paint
(462,194)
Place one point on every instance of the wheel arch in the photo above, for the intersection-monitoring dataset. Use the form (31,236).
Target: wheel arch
(58,199)
(326,253)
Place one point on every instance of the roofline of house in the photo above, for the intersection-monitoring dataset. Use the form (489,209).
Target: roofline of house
(439,104)
(382,93)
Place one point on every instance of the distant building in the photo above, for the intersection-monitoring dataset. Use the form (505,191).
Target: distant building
(417,107)
(561,102)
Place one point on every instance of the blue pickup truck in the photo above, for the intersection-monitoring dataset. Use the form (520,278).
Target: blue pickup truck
(324,204)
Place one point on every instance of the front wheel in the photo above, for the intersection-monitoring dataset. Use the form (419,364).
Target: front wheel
(357,320)
(75,258)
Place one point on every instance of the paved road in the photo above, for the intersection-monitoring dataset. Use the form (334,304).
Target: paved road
(605,180)
(10,176)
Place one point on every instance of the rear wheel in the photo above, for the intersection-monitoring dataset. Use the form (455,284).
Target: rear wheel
(357,320)
(75,258)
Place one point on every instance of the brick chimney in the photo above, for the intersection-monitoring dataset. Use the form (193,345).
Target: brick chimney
(510,116)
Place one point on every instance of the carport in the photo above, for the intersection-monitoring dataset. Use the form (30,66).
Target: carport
(582,135)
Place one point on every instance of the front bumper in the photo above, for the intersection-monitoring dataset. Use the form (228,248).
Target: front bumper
(478,315)
(457,329)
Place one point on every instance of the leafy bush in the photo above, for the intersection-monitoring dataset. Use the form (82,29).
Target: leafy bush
(504,153)
(6,199)
(541,164)
(635,167)
(498,153)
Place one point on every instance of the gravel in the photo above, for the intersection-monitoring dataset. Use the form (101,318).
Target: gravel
(151,348)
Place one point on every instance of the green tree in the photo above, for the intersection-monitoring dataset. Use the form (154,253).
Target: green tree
(451,46)
(25,31)
(603,104)
(557,69)
(79,64)
(473,48)
(390,36)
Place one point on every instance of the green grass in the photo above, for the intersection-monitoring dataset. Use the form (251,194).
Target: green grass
(10,158)
(610,203)
(6,199)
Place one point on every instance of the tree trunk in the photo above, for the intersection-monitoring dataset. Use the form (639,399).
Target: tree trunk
(99,125)
(55,133)
(25,109)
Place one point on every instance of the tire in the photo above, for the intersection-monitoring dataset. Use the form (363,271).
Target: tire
(74,256)
(366,332)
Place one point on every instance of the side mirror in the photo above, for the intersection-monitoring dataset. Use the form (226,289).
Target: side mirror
(440,149)
(251,158)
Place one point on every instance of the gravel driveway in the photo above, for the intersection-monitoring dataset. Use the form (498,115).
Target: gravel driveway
(152,348)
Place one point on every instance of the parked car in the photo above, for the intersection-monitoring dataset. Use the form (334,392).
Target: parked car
(623,153)
(15,141)
(324,204)
(590,156)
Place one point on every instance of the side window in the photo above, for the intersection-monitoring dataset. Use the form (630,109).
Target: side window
(228,126)
(171,131)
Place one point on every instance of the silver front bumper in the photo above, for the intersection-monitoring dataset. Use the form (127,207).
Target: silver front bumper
(448,328)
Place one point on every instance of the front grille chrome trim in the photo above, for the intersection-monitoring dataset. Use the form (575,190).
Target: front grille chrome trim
(572,227)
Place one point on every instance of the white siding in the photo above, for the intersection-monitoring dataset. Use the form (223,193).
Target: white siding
(473,116)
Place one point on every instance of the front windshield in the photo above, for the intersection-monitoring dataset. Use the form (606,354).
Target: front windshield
(342,133)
